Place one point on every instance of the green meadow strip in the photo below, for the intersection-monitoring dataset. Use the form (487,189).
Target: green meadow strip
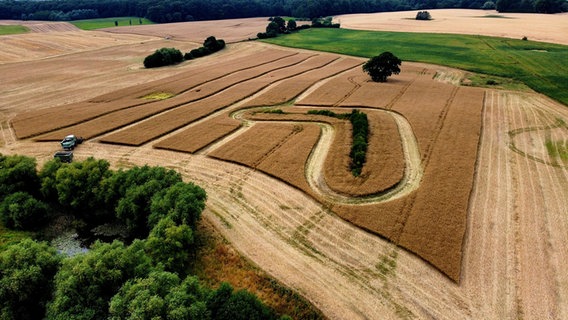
(92,24)
(16,29)
(541,66)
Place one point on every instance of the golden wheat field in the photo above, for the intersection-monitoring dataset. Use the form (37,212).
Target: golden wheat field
(460,210)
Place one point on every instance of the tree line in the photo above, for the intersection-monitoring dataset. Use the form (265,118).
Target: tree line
(170,56)
(141,274)
(163,11)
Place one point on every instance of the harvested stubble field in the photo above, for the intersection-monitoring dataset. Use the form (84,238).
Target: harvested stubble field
(514,255)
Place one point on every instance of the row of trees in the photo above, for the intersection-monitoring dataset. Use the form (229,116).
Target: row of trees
(163,11)
(144,275)
(278,25)
(169,56)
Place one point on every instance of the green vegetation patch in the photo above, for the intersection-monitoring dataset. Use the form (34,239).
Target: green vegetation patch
(16,29)
(487,81)
(543,70)
(158,96)
(558,149)
(8,236)
(92,24)
(275,111)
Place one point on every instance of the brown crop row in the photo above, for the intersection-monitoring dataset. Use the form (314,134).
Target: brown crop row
(384,95)
(292,87)
(123,117)
(28,124)
(332,91)
(288,162)
(424,104)
(183,115)
(200,135)
(354,88)
(436,224)
(198,75)
(252,146)
(431,220)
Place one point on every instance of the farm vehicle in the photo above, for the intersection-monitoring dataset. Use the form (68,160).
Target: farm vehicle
(70,142)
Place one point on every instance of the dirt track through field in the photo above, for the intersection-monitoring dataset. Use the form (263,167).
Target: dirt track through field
(412,172)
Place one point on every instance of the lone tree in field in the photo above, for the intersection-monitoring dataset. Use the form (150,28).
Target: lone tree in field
(382,66)
(423,15)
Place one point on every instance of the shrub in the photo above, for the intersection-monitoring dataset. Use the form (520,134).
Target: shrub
(423,15)
(358,153)
(163,57)
(210,45)
(213,45)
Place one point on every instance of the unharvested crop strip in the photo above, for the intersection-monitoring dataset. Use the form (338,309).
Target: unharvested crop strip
(290,88)
(121,118)
(254,144)
(436,225)
(183,115)
(201,135)
(384,167)
(35,122)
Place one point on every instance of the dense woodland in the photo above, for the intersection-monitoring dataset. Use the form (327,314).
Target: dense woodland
(163,11)
(136,269)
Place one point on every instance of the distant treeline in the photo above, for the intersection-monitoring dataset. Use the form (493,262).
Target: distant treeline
(176,11)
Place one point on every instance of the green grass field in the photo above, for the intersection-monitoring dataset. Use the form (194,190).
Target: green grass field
(5,30)
(541,66)
(92,24)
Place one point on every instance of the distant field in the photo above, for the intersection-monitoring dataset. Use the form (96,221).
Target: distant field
(92,24)
(539,65)
(16,29)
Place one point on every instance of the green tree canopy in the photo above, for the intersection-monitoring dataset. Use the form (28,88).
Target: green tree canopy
(382,66)
(78,185)
(182,202)
(241,305)
(27,269)
(133,191)
(18,173)
(160,296)
(23,212)
(48,178)
(171,245)
(291,25)
(85,283)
